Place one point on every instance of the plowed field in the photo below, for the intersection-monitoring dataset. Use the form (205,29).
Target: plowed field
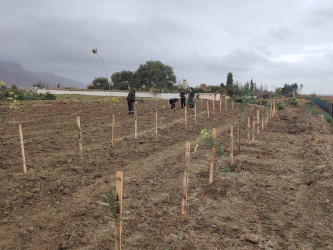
(278,194)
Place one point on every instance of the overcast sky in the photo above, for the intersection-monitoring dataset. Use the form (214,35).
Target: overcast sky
(272,42)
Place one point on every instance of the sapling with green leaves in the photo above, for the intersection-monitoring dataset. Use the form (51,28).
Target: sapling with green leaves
(208,139)
(244,101)
(112,203)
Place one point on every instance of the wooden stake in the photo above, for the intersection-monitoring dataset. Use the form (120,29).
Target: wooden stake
(266,117)
(185,183)
(248,129)
(212,159)
(78,124)
(195,113)
(185,114)
(214,107)
(207,108)
(112,130)
(156,121)
(258,121)
(201,103)
(231,145)
(239,120)
(136,124)
(270,111)
(262,123)
(119,188)
(226,104)
(22,149)
(254,128)
(220,105)
(232,104)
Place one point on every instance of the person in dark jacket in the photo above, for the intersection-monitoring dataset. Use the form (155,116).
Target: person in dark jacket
(182,98)
(130,101)
(172,102)
(191,98)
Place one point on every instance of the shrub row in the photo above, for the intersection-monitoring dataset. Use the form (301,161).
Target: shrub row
(20,95)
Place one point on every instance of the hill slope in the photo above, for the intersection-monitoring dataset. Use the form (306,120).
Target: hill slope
(13,73)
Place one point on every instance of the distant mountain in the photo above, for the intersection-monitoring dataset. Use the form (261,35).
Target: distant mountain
(13,73)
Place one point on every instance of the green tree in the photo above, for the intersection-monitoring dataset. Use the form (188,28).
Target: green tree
(123,80)
(213,89)
(230,80)
(100,83)
(289,90)
(252,85)
(154,74)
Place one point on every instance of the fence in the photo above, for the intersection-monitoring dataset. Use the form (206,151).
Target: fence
(208,96)
(323,104)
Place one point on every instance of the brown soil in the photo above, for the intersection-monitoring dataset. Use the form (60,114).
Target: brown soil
(279,194)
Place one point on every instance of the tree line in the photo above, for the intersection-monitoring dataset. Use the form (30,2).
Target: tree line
(155,76)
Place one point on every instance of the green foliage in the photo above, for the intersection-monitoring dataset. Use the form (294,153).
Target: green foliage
(327,117)
(112,203)
(11,94)
(308,106)
(252,85)
(100,83)
(213,89)
(245,98)
(292,102)
(230,80)
(154,74)
(123,80)
(209,140)
(49,96)
(225,169)
(280,106)
(288,90)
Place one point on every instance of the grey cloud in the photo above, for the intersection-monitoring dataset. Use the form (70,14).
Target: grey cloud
(201,40)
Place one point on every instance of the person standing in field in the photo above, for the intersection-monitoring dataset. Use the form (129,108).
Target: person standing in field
(130,101)
(182,98)
(191,98)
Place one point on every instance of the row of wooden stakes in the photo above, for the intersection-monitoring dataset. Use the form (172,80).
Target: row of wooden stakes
(255,129)
(256,122)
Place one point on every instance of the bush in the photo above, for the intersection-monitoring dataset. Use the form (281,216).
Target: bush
(327,117)
(263,102)
(20,95)
(240,99)
(49,96)
(310,104)
(292,102)
(280,106)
